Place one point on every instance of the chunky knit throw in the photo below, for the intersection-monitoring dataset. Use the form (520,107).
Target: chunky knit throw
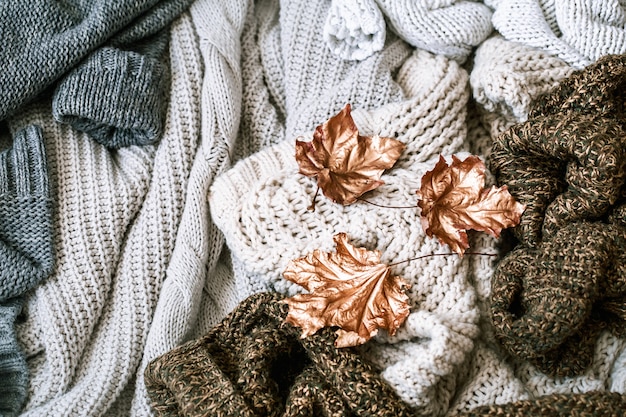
(565,281)
(253,364)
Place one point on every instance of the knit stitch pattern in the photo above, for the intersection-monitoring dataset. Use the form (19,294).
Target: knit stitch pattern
(26,251)
(508,76)
(592,404)
(101,90)
(253,364)
(114,231)
(451,28)
(267,186)
(26,248)
(355,29)
(564,283)
(13,368)
(578,31)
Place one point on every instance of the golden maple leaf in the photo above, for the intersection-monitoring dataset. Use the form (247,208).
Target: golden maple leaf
(349,289)
(345,163)
(454,199)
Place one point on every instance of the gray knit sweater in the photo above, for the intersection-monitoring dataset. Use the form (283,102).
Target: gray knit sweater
(104,60)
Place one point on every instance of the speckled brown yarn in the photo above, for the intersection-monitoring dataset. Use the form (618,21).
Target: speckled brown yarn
(543,298)
(252,364)
(568,161)
(590,404)
(565,281)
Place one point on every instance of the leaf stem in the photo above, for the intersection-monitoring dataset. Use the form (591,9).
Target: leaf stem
(312,206)
(441,254)
(380,205)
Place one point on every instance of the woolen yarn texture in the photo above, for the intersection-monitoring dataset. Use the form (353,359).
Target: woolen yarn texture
(577,31)
(115,221)
(591,404)
(106,63)
(26,251)
(567,165)
(254,364)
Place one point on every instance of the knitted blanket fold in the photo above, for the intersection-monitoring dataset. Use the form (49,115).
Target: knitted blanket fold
(563,284)
(253,364)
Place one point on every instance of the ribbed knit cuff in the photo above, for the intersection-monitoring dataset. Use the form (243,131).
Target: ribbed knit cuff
(117,97)
(13,369)
(26,248)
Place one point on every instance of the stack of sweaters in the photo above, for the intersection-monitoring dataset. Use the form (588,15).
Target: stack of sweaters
(150,201)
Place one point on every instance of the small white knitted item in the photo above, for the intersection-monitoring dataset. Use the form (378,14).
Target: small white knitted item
(261,206)
(577,31)
(447,27)
(116,217)
(354,29)
(507,76)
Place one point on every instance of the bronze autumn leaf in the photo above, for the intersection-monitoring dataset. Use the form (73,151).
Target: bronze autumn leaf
(345,163)
(350,289)
(453,199)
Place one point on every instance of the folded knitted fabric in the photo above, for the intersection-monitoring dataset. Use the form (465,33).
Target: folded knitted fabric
(253,364)
(566,163)
(261,207)
(115,221)
(267,69)
(26,251)
(507,77)
(13,369)
(577,31)
(545,299)
(26,247)
(112,66)
(356,29)
(591,404)
(564,283)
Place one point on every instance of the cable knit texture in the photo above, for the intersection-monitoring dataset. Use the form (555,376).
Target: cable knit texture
(252,364)
(564,282)
(577,31)
(110,64)
(115,224)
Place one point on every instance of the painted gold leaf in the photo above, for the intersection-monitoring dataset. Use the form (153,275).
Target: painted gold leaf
(345,163)
(350,289)
(453,199)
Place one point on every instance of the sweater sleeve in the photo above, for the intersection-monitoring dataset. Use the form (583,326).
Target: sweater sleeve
(71,43)
(117,96)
